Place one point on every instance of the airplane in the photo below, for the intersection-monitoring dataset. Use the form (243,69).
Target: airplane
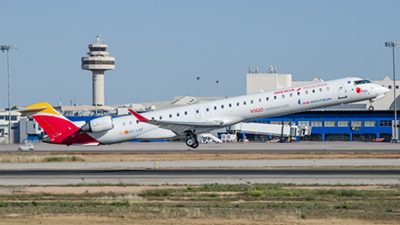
(191,120)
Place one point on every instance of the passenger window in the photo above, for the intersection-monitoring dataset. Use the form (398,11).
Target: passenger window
(222,106)
(320,89)
(244,103)
(207,109)
(177,114)
(267,99)
(137,121)
(170,115)
(237,104)
(123,124)
(215,107)
(259,100)
(306,92)
(197,111)
(160,117)
(274,97)
(130,122)
(230,105)
(251,101)
(327,88)
(185,113)
(283,96)
(291,94)
(152,118)
(298,93)
(313,91)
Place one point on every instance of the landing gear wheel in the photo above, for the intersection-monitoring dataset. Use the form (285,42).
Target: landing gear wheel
(191,142)
(371,108)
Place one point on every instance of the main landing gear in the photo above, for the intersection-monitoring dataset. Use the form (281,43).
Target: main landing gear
(191,141)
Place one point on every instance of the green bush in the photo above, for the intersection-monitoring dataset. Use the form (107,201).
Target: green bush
(213,195)
(157,193)
(256,193)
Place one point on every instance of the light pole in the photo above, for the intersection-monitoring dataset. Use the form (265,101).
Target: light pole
(198,79)
(217,88)
(393,45)
(8,48)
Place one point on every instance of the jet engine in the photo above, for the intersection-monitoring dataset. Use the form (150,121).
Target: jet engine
(98,125)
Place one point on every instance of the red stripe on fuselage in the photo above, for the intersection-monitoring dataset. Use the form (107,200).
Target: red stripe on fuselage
(79,137)
(62,131)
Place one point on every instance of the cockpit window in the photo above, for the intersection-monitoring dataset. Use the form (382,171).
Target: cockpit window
(357,82)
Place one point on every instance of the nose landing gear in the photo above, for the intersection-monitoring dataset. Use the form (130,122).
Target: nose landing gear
(371,108)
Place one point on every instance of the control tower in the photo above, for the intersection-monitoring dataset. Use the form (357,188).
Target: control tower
(98,62)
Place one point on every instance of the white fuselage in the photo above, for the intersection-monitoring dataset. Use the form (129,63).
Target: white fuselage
(242,108)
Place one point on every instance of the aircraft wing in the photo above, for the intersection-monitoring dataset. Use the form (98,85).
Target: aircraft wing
(178,127)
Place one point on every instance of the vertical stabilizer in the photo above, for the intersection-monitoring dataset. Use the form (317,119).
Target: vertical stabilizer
(56,126)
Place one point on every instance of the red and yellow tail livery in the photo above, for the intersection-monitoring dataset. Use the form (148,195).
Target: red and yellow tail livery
(59,129)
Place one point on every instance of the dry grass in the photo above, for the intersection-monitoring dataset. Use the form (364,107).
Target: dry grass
(188,156)
(78,219)
(131,198)
(13,158)
(63,190)
(207,204)
(80,190)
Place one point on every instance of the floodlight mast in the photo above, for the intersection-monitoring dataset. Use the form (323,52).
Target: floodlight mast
(198,80)
(8,48)
(394,45)
(217,88)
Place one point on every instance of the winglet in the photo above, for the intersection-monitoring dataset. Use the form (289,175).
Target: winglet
(138,116)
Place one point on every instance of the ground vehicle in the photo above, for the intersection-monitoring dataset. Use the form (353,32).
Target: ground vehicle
(26,146)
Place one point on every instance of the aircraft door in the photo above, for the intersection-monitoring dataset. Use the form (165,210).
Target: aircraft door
(197,113)
(342,91)
(208,111)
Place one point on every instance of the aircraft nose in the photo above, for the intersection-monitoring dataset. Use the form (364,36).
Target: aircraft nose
(384,90)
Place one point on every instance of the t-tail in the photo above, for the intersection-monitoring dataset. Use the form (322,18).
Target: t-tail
(58,128)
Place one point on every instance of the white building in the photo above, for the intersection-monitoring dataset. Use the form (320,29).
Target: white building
(257,82)
(4,123)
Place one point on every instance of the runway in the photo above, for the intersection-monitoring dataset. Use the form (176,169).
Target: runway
(202,164)
(178,147)
(200,172)
(199,176)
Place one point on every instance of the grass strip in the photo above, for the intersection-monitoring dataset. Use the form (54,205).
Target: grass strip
(43,158)
(254,202)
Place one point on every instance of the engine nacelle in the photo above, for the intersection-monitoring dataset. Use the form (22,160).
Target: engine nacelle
(98,125)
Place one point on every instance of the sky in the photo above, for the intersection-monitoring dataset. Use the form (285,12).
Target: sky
(161,47)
